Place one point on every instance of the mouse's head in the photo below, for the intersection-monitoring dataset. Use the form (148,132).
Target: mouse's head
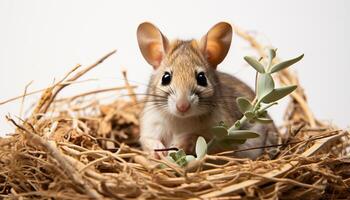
(183,82)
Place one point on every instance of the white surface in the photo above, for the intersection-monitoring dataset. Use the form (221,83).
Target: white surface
(42,40)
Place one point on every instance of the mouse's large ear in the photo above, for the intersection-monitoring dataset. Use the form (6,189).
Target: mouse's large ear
(153,44)
(216,43)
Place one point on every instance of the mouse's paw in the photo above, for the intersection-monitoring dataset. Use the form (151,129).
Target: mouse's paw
(150,145)
(159,154)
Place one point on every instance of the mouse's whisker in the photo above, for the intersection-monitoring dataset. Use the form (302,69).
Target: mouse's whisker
(172,91)
(203,92)
(147,85)
(159,107)
(135,82)
(148,101)
(143,94)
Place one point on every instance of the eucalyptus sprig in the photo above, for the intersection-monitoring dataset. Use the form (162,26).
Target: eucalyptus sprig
(253,111)
(256,111)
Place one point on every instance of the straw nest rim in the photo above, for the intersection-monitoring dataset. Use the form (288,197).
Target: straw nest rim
(89,151)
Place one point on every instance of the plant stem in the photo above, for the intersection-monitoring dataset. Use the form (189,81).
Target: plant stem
(240,123)
(211,143)
(267,106)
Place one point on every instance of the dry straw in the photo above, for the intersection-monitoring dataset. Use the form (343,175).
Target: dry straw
(74,148)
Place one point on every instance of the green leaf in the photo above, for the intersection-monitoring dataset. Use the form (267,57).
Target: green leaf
(255,64)
(236,141)
(244,104)
(264,120)
(189,158)
(180,153)
(172,155)
(219,131)
(201,147)
(242,134)
(265,85)
(285,64)
(271,54)
(182,161)
(179,157)
(249,115)
(278,94)
(170,158)
(229,143)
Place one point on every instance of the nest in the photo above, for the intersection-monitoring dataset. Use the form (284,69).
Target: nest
(76,149)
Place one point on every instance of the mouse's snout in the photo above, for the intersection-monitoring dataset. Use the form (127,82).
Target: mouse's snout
(183,105)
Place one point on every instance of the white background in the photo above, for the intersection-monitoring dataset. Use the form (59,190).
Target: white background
(42,40)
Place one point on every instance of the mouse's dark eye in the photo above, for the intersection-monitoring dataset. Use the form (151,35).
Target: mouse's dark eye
(166,78)
(201,79)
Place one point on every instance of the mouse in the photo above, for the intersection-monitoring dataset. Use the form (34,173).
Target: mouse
(187,95)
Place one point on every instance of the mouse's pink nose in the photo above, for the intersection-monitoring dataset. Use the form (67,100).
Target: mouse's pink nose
(183,106)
